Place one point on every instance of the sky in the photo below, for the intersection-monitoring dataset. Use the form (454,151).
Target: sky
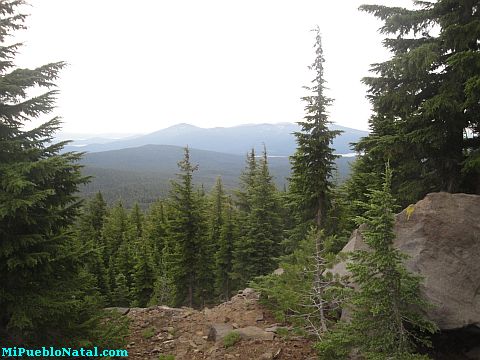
(144,65)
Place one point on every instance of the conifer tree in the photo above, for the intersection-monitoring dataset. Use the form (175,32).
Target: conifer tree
(121,292)
(143,275)
(186,234)
(314,160)
(387,319)
(41,268)
(205,287)
(224,254)
(89,234)
(257,249)
(217,212)
(247,180)
(118,249)
(136,220)
(426,99)
(114,230)
(155,231)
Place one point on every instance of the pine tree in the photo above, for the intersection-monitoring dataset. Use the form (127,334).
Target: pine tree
(224,254)
(121,292)
(185,235)
(136,220)
(247,180)
(114,230)
(257,249)
(155,231)
(118,252)
(205,268)
(387,309)
(217,212)
(89,233)
(143,275)
(41,269)
(426,99)
(310,188)
(314,160)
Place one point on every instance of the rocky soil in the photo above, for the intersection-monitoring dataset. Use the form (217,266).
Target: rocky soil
(188,334)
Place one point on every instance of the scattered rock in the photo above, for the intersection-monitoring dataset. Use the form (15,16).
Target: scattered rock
(255,333)
(120,310)
(217,332)
(278,271)
(260,317)
(266,356)
(272,329)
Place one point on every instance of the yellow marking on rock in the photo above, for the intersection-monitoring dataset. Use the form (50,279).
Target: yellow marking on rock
(409,210)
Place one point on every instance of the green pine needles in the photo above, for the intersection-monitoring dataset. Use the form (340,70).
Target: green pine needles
(386,309)
(426,99)
(47,293)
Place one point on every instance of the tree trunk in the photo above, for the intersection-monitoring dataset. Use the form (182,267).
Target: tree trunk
(190,292)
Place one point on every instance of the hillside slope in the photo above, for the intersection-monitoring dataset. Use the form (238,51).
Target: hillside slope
(143,174)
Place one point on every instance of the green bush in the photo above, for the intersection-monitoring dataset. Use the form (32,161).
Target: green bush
(166,357)
(148,333)
(231,339)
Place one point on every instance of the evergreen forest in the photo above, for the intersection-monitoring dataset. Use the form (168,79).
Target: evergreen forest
(64,259)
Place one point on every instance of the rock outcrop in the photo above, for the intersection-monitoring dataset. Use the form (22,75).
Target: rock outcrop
(442,239)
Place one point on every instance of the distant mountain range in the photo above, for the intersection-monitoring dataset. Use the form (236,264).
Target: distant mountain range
(278,138)
(141,168)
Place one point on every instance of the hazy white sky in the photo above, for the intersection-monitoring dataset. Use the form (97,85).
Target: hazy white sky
(139,66)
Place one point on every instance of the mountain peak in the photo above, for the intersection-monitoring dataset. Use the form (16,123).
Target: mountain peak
(182,126)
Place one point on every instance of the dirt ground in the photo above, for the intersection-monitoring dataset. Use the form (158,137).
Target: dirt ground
(183,333)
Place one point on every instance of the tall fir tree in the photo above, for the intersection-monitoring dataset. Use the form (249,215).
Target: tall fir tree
(41,268)
(258,247)
(247,180)
(136,220)
(185,235)
(117,247)
(155,229)
(89,233)
(143,275)
(155,237)
(314,159)
(224,254)
(426,99)
(216,217)
(217,205)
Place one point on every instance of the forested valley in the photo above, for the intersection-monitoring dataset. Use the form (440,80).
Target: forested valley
(64,260)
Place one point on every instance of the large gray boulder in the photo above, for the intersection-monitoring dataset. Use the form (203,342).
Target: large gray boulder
(442,239)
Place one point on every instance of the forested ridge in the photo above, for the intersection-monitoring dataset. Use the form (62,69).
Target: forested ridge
(64,260)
